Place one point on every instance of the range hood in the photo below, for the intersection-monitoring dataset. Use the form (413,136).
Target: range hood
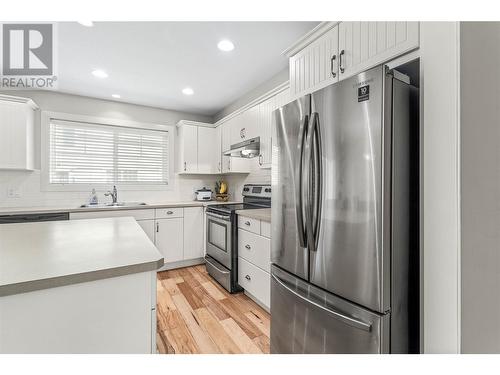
(246,149)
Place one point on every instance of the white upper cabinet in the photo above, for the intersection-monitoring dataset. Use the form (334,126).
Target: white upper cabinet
(265,111)
(187,149)
(230,135)
(334,51)
(17,128)
(316,65)
(217,150)
(195,148)
(206,144)
(363,45)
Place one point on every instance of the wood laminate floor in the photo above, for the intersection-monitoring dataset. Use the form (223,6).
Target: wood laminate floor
(196,315)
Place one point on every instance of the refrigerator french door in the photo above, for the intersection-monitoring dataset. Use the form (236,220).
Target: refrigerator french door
(344,250)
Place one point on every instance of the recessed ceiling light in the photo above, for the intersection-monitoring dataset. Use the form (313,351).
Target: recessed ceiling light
(86,23)
(225,45)
(187,91)
(116,96)
(100,73)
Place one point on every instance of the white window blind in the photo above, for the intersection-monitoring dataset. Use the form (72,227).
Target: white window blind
(83,153)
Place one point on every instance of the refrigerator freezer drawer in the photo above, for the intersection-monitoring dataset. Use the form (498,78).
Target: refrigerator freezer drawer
(344,327)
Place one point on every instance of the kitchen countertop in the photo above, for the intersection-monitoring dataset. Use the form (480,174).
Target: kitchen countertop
(40,210)
(263,214)
(43,255)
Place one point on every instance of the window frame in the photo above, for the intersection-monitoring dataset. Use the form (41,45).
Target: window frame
(48,116)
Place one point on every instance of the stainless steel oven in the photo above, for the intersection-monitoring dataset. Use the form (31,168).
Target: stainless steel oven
(222,235)
(219,235)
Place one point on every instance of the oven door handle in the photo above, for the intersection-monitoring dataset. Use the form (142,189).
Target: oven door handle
(218,216)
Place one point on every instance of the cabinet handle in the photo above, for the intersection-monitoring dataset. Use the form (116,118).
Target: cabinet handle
(247,223)
(170,212)
(184,166)
(229,164)
(248,247)
(332,60)
(242,133)
(218,166)
(342,70)
(260,159)
(248,277)
(157,227)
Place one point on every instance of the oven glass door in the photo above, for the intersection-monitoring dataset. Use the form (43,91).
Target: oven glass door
(219,239)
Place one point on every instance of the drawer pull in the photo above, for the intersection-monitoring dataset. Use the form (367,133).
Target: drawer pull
(170,212)
(248,277)
(247,223)
(248,247)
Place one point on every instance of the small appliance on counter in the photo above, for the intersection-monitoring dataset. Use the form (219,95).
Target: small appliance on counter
(204,194)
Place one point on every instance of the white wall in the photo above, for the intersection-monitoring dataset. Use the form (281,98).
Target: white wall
(480,186)
(439,50)
(28,184)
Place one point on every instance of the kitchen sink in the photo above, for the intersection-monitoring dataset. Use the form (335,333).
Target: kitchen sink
(118,204)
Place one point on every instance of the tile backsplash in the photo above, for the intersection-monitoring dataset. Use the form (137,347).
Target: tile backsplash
(23,189)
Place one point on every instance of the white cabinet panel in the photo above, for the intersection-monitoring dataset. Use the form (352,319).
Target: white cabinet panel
(193,233)
(206,143)
(316,65)
(255,249)
(266,109)
(249,224)
(217,151)
(170,239)
(187,141)
(363,45)
(149,228)
(254,280)
(17,126)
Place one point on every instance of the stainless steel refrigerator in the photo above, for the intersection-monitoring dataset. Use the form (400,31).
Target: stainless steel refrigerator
(344,275)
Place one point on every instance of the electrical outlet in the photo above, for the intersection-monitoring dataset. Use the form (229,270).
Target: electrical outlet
(14,192)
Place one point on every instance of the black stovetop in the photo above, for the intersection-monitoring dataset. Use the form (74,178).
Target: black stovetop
(232,207)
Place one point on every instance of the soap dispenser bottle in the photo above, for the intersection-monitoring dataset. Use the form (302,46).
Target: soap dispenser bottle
(93,200)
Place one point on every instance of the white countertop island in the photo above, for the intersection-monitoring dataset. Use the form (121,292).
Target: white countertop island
(83,286)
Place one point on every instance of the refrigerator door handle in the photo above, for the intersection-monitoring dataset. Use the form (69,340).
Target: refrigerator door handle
(337,315)
(314,192)
(298,186)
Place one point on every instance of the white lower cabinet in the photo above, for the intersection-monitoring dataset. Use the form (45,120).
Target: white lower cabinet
(193,233)
(254,258)
(177,232)
(255,281)
(170,239)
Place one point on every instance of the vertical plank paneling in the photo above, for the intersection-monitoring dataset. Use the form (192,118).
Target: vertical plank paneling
(391,35)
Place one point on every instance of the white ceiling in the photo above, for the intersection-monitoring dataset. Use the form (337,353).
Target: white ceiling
(149,63)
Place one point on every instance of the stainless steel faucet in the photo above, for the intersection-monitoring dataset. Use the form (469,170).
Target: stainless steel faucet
(113,194)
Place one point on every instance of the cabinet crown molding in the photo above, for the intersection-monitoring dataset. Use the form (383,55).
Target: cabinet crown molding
(18,99)
(310,37)
(195,123)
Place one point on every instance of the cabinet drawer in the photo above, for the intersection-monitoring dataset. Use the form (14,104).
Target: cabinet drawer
(265,229)
(136,214)
(254,248)
(167,213)
(254,280)
(249,224)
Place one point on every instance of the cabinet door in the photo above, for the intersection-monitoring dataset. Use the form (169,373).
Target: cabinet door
(363,45)
(170,239)
(188,149)
(226,145)
(315,66)
(149,228)
(266,109)
(217,150)
(206,142)
(193,233)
